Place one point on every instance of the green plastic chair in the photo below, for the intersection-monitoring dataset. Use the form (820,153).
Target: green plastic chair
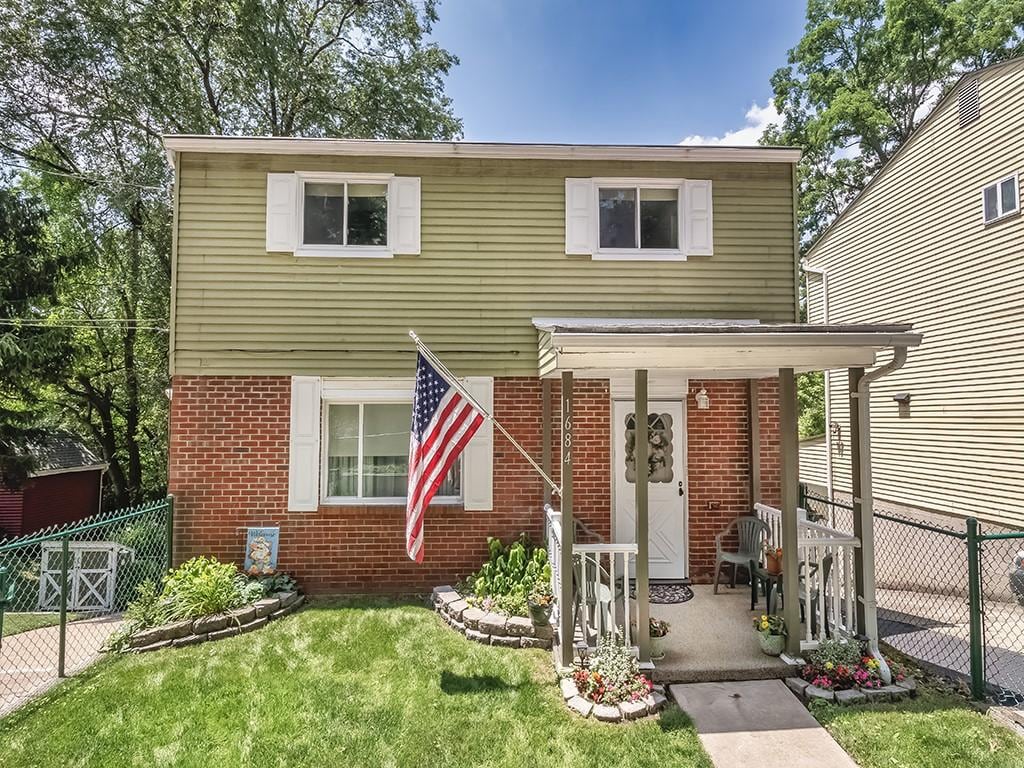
(751,532)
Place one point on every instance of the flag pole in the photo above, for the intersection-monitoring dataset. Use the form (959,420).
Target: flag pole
(451,379)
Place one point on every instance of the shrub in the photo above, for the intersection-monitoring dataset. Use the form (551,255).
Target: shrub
(612,675)
(202,586)
(510,574)
(148,608)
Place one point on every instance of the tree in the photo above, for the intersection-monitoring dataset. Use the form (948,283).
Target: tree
(864,76)
(87,88)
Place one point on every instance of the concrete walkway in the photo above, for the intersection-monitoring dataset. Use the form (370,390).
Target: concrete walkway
(28,660)
(757,723)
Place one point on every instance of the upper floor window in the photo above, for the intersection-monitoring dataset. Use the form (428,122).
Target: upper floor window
(345,214)
(640,219)
(1000,199)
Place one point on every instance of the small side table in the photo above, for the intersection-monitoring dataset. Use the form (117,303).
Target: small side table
(772,582)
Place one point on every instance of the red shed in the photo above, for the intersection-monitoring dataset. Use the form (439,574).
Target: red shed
(65,486)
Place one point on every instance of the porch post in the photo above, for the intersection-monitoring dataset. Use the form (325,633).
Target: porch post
(863,506)
(640,454)
(566,633)
(546,435)
(790,471)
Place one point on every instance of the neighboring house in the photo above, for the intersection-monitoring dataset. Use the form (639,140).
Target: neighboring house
(937,240)
(549,277)
(65,485)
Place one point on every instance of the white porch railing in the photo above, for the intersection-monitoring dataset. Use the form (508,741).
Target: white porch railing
(553,540)
(828,590)
(601,584)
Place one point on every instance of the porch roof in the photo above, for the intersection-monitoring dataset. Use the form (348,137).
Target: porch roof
(597,347)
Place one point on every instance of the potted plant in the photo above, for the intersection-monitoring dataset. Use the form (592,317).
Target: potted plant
(772,559)
(658,631)
(540,603)
(771,633)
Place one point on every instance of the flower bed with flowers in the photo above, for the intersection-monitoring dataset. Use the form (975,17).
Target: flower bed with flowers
(610,687)
(837,666)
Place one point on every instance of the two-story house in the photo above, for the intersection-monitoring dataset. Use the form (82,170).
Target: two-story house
(568,284)
(937,239)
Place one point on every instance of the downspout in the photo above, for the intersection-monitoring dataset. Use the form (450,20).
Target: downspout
(867,540)
(828,384)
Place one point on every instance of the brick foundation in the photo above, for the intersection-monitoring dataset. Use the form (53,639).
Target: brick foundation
(229,469)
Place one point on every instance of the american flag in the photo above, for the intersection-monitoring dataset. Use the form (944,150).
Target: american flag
(443,421)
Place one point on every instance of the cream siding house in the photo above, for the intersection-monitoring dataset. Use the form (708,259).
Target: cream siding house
(937,240)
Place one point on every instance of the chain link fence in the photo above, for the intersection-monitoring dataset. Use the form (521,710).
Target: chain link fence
(950,594)
(62,591)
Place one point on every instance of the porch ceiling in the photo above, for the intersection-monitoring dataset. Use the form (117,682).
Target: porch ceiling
(597,347)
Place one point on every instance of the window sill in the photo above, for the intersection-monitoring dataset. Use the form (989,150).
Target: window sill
(391,501)
(306,251)
(1002,217)
(638,255)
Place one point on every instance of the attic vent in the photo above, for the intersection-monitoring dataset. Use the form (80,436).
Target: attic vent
(969,102)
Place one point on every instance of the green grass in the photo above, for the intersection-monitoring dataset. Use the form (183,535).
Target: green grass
(369,683)
(15,623)
(935,730)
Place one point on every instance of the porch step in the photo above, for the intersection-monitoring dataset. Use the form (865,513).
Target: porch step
(720,673)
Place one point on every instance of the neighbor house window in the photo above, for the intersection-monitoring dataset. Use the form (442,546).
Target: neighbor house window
(344,215)
(367,454)
(1000,199)
(638,218)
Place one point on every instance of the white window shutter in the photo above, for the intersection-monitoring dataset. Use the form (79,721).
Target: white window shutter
(580,214)
(304,445)
(697,220)
(282,211)
(404,236)
(478,457)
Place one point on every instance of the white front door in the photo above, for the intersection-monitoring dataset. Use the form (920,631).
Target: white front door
(666,491)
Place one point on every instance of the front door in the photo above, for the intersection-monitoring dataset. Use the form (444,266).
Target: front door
(666,491)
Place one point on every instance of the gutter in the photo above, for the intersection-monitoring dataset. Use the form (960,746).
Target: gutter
(866,502)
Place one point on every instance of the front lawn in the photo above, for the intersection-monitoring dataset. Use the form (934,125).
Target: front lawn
(352,683)
(935,730)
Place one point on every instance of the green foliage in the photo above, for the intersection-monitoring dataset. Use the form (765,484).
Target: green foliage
(835,652)
(611,676)
(810,396)
(202,586)
(86,90)
(862,77)
(278,582)
(510,574)
(148,609)
(249,590)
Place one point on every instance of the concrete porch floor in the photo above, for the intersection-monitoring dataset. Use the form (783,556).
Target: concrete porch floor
(712,639)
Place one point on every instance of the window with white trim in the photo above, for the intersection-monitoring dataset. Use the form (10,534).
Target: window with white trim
(366,454)
(1000,199)
(341,215)
(638,218)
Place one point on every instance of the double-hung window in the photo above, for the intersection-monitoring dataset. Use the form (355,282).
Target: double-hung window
(366,454)
(1000,199)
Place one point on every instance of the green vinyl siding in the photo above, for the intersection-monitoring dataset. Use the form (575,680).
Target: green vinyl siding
(493,257)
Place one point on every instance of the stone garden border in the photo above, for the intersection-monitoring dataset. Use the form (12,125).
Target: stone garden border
(489,628)
(905,689)
(647,706)
(216,626)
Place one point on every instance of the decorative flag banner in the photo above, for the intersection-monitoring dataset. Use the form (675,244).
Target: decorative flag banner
(261,551)
(443,422)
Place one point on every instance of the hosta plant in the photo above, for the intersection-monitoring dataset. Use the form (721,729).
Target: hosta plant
(509,576)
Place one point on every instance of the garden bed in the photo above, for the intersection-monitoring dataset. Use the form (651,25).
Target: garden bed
(904,689)
(215,626)
(489,628)
(645,706)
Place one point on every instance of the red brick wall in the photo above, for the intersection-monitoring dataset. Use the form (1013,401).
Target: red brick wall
(229,470)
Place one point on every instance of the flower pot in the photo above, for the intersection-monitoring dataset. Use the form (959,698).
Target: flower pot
(772,564)
(772,645)
(540,614)
(658,647)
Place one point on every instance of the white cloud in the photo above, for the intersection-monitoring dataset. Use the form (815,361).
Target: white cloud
(758,119)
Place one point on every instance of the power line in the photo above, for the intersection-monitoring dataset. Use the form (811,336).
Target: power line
(90,179)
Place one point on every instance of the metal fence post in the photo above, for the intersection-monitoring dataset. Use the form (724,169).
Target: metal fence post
(62,644)
(974,592)
(170,532)
(4,597)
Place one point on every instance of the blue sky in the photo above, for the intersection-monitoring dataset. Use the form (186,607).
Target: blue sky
(651,72)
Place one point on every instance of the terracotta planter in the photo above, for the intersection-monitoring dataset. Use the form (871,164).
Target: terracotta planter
(771,645)
(772,564)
